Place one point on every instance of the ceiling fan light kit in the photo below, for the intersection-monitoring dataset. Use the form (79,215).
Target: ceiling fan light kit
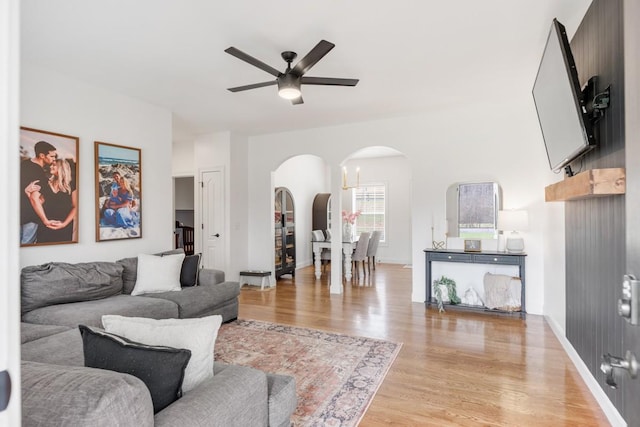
(289,87)
(291,79)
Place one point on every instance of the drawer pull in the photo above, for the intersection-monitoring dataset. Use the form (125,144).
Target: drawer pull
(449,256)
(495,259)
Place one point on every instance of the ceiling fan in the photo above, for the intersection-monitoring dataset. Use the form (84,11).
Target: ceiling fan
(291,79)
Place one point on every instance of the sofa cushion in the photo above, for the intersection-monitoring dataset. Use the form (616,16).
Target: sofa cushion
(129,273)
(201,301)
(158,274)
(210,276)
(130,269)
(235,396)
(32,331)
(197,335)
(160,368)
(57,282)
(90,312)
(79,396)
(189,271)
(282,398)
(60,349)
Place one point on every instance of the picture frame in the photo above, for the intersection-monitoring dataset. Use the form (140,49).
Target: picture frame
(118,198)
(472,245)
(49,178)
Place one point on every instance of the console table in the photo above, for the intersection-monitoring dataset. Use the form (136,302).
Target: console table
(484,257)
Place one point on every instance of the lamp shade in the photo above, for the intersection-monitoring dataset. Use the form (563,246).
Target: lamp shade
(513,220)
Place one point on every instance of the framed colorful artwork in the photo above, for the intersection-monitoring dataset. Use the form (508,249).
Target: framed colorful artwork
(48,188)
(118,179)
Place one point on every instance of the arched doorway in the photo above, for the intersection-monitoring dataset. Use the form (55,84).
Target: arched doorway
(379,186)
(303,176)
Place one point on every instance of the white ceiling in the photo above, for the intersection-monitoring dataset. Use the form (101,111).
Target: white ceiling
(410,55)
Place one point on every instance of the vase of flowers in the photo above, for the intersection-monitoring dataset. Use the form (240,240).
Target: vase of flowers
(348,219)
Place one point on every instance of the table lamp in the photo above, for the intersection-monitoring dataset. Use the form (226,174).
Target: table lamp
(514,221)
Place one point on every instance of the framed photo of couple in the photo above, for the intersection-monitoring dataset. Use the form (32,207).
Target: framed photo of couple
(118,192)
(48,188)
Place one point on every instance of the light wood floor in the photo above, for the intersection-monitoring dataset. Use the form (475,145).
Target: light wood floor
(454,368)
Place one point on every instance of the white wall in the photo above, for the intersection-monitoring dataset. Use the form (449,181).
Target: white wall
(238,188)
(554,265)
(395,173)
(305,177)
(489,141)
(183,193)
(56,103)
(183,159)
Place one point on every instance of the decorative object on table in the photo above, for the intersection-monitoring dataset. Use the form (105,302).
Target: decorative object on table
(345,186)
(118,178)
(437,244)
(348,219)
(472,245)
(471,297)
(336,375)
(513,221)
(444,290)
(502,292)
(48,185)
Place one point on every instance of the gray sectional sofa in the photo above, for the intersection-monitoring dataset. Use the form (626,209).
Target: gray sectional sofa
(71,294)
(57,389)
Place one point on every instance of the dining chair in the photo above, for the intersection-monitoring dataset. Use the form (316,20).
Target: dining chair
(188,240)
(360,252)
(373,249)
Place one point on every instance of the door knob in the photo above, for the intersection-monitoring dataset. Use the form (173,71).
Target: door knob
(611,363)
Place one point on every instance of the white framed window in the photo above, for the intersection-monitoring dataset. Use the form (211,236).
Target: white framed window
(371,201)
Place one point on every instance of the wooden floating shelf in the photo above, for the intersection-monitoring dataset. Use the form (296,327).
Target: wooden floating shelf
(587,184)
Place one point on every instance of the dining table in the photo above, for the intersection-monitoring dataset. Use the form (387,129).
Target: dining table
(347,249)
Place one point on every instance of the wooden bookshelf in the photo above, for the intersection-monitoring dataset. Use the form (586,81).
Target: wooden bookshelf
(590,183)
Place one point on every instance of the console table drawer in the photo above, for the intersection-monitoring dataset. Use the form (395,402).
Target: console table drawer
(449,257)
(497,259)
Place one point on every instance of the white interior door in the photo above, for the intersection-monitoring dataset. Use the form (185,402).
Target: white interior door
(212,218)
(9,244)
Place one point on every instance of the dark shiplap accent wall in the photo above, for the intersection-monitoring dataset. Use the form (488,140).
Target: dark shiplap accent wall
(595,228)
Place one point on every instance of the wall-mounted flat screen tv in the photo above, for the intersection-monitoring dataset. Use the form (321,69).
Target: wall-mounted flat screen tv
(562,112)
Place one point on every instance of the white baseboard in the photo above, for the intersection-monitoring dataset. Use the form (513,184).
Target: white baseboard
(393,261)
(303,264)
(601,397)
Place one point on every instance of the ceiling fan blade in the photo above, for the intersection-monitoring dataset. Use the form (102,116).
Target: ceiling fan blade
(329,81)
(312,57)
(297,100)
(253,86)
(253,61)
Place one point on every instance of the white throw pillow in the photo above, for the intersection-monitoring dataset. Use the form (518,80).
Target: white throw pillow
(198,335)
(158,274)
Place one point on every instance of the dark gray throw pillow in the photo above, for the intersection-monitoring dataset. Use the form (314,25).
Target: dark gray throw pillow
(190,269)
(160,368)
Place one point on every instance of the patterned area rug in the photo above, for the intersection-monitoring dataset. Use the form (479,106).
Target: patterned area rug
(336,375)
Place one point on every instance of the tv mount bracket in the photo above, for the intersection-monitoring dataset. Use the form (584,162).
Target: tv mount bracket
(595,103)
